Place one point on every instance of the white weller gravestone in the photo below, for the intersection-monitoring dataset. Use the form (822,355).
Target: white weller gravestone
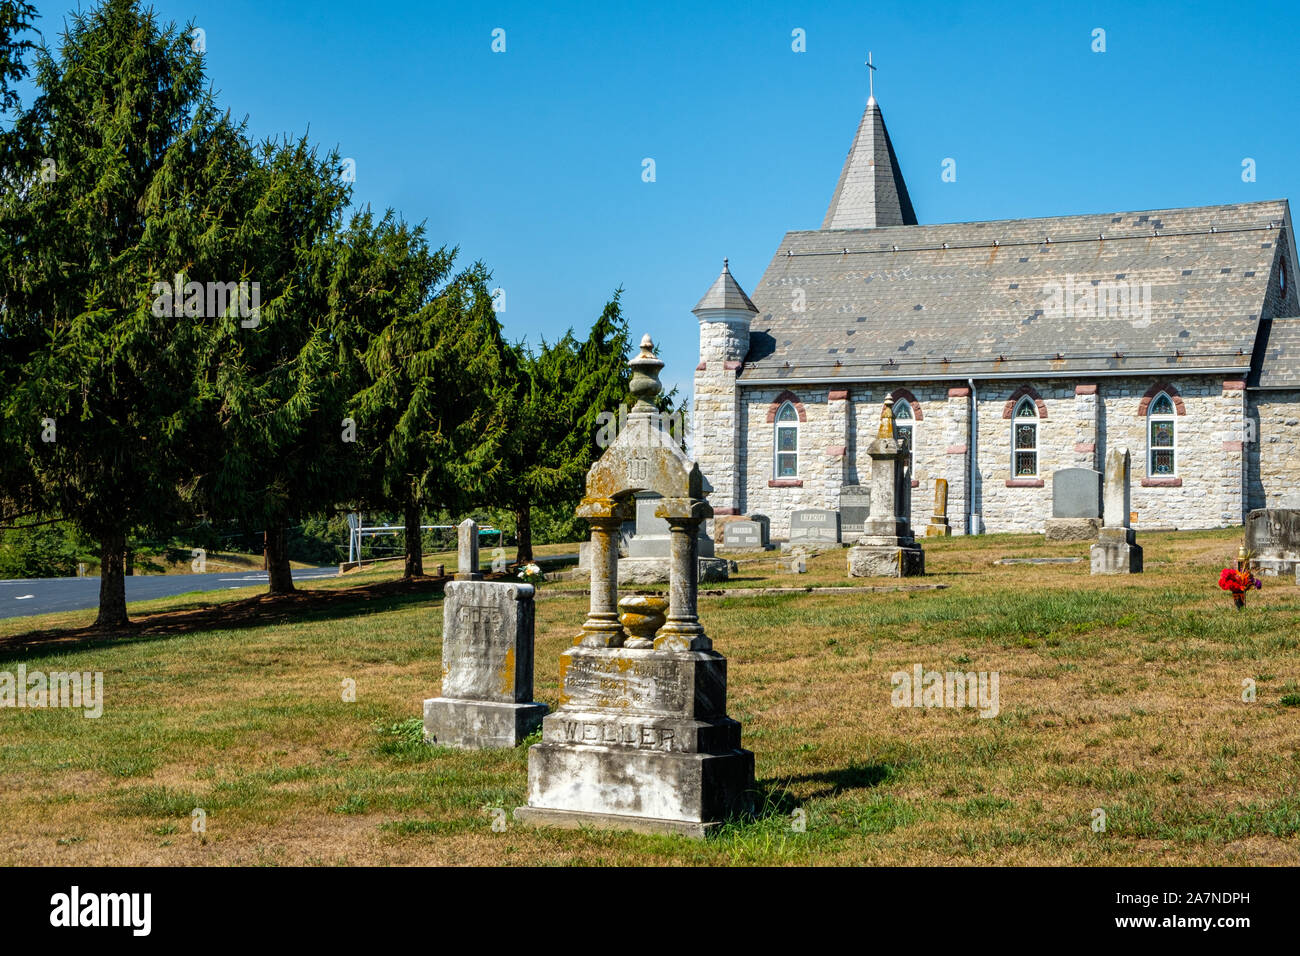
(1116,550)
(641,740)
(745,535)
(887,547)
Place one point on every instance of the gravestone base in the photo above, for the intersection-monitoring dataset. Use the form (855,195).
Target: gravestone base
(812,544)
(656,570)
(576,820)
(877,561)
(640,742)
(616,787)
(1116,552)
(1276,567)
(938,527)
(479,724)
(1071,529)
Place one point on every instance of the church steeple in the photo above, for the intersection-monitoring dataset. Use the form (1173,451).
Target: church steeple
(871,191)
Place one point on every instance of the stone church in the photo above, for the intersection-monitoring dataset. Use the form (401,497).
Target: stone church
(1007,350)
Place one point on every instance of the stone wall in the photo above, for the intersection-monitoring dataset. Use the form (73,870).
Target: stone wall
(1077,420)
(1273,458)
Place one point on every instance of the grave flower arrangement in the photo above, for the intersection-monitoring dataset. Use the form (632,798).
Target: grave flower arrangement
(1237,583)
(531,574)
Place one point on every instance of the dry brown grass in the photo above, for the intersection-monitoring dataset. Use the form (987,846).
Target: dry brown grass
(1122,694)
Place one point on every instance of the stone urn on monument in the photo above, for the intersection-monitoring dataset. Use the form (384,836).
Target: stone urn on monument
(641,739)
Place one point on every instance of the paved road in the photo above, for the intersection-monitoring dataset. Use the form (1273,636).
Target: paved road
(29,596)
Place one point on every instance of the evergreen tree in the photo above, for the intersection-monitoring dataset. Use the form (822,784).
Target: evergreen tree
(16,19)
(136,173)
(426,412)
(275,383)
(553,399)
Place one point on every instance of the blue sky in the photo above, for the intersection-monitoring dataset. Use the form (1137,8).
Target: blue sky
(531,159)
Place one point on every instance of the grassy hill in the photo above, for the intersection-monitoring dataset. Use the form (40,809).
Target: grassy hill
(1116,694)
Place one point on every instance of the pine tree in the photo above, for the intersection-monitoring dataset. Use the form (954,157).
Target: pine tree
(425,411)
(119,175)
(16,18)
(553,399)
(275,384)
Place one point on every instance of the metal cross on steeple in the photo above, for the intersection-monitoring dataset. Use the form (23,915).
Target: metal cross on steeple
(871,76)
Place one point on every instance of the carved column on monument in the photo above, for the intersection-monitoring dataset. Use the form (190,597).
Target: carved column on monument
(683,631)
(602,629)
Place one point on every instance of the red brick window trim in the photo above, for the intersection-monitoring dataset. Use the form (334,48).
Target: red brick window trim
(1156,389)
(1009,408)
(786,396)
(902,394)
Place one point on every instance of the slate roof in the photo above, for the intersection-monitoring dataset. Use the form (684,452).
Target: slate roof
(971,299)
(725,293)
(1279,350)
(871,191)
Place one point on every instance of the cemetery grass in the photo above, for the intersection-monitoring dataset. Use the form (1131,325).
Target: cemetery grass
(1119,694)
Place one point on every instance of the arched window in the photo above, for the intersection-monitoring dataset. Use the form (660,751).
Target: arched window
(1162,436)
(787,442)
(1024,439)
(905,427)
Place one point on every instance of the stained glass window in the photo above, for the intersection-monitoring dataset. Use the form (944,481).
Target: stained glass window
(905,427)
(1024,439)
(1161,437)
(787,442)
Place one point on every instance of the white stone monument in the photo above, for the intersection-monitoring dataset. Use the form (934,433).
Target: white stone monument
(641,740)
(886,548)
(1116,550)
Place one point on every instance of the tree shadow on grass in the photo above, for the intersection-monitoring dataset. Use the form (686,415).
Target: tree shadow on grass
(313,604)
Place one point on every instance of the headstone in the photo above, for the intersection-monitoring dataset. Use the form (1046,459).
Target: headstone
(1273,540)
(938,526)
(887,548)
(1076,505)
(855,507)
(795,562)
(647,556)
(487,668)
(1116,550)
(467,551)
(1076,493)
(641,740)
(813,527)
(743,536)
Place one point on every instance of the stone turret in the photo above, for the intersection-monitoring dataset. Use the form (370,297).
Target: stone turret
(724,313)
